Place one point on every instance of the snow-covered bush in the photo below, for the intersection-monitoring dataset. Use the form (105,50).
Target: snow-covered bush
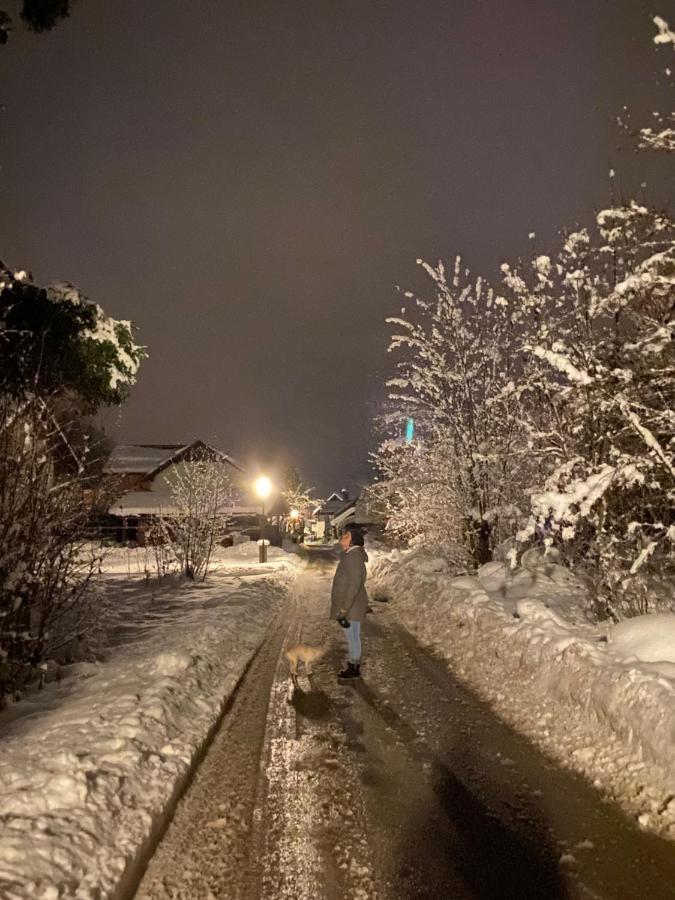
(159,537)
(45,575)
(203,496)
(60,354)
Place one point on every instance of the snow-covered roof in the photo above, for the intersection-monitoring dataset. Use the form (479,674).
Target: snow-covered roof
(345,516)
(333,504)
(358,512)
(128,458)
(150,459)
(195,450)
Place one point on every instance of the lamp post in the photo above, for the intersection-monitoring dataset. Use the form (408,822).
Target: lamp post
(263,488)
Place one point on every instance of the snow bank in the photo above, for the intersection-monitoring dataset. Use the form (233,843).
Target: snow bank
(493,576)
(647,639)
(89,766)
(529,629)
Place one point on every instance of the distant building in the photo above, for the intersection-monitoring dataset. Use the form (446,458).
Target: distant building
(145,475)
(327,509)
(339,510)
(357,512)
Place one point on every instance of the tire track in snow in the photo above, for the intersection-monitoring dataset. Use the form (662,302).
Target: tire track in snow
(205,852)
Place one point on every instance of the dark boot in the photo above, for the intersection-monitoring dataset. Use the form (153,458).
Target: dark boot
(352,671)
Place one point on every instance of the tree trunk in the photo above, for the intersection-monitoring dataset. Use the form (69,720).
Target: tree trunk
(478,539)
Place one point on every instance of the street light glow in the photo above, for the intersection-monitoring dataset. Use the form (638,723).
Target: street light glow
(263,487)
(294,514)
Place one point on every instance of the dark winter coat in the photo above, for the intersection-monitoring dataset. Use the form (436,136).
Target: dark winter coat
(349,586)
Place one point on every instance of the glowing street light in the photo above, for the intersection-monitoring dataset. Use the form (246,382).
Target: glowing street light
(294,514)
(263,488)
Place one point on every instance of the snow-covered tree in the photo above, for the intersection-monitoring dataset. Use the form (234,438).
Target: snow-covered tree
(203,497)
(56,342)
(560,389)
(295,492)
(661,136)
(598,395)
(38,15)
(452,379)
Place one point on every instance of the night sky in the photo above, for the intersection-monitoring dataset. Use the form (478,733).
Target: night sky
(248,182)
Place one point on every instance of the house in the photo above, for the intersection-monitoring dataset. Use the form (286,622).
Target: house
(333,503)
(338,510)
(328,509)
(144,474)
(357,512)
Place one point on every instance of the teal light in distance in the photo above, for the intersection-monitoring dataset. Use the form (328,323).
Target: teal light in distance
(409,430)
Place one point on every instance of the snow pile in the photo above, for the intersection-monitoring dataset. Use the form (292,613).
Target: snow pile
(90,765)
(492,576)
(528,629)
(647,639)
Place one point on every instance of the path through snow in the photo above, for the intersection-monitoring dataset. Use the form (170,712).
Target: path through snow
(402,785)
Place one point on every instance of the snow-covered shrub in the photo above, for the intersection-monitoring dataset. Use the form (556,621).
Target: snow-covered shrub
(203,496)
(60,354)
(45,574)
(158,536)
(462,477)
(598,396)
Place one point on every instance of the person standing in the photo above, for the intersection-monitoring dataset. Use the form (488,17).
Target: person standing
(348,599)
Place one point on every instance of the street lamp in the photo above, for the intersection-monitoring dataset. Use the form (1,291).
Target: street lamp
(263,488)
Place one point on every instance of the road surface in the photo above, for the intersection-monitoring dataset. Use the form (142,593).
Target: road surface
(401,785)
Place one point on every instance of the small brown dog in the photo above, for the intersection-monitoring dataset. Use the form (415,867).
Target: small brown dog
(305,654)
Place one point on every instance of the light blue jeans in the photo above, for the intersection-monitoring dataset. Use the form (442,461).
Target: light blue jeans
(354,642)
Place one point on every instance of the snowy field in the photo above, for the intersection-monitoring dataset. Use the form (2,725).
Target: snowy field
(89,765)
(598,698)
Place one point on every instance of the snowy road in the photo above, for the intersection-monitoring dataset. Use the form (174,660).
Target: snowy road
(402,785)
